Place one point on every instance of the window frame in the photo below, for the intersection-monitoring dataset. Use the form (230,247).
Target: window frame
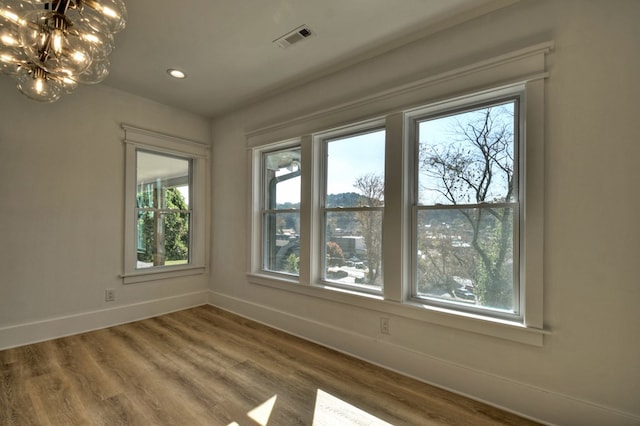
(322,140)
(139,140)
(163,211)
(265,210)
(521,70)
(474,102)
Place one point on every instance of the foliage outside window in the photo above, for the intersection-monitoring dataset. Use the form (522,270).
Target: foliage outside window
(163,211)
(468,208)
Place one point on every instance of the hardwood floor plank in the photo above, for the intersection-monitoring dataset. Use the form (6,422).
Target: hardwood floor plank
(147,392)
(205,366)
(75,359)
(13,396)
(55,402)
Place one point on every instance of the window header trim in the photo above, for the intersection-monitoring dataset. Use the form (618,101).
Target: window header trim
(517,67)
(160,142)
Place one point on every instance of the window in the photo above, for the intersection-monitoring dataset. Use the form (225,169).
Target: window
(468,209)
(414,202)
(162,209)
(281,211)
(165,202)
(353,209)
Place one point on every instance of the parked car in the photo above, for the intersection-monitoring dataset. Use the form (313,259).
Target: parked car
(464,294)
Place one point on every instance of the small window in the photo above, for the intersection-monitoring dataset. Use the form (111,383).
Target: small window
(281,211)
(468,210)
(353,210)
(162,210)
(165,204)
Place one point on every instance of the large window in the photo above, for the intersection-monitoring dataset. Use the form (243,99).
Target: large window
(467,213)
(424,202)
(439,224)
(165,201)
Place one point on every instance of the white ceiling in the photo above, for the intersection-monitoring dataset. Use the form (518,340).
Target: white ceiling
(226,49)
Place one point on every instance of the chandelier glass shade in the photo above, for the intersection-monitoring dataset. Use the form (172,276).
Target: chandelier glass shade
(52,46)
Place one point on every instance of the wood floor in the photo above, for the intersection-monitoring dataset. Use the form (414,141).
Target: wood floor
(204,366)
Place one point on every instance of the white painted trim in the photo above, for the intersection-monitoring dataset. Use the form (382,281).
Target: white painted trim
(155,140)
(472,323)
(528,329)
(516,67)
(67,325)
(198,153)
(161,274)
(532,402)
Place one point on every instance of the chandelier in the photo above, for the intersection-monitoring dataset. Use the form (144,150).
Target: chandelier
(52,46)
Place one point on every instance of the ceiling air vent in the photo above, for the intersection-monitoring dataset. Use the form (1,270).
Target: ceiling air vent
(293,37)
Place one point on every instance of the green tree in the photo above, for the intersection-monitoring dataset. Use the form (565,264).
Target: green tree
(176,226)
(293,264)
(163,236)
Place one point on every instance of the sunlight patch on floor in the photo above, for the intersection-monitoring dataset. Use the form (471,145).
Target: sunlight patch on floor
(331,411)
(262,412)
(328,411)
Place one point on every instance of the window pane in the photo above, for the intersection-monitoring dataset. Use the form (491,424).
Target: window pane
(466,256)
(163,238)
(281,231)
(282,242)
(282,179)
(162,181)
(355,170)
(468,157)
(354,247)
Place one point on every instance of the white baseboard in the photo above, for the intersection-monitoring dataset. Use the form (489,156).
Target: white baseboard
(52,328)
(520,398)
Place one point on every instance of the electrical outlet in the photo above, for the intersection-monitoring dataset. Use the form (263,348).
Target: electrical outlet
(109,295)
(384,326)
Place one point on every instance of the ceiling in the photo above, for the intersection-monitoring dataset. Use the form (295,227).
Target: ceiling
(226,47)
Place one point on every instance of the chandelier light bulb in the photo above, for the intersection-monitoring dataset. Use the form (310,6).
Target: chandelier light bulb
(51,46)
(57,38)
(37,85)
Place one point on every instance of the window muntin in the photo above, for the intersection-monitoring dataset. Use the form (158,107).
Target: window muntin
(353,210)
(163,210)
(281,211)
(468,210)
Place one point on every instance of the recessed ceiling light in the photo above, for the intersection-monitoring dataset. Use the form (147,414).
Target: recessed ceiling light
(176,73)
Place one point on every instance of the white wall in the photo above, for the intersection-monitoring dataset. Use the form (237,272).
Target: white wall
(588,370)
(61,212)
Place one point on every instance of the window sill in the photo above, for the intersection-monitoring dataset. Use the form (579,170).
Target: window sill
(473,323)
(155,274)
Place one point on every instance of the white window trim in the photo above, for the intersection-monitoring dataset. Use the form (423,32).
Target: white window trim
(198,153)
(463,103)
(263,185)
(320,143)
(524,68)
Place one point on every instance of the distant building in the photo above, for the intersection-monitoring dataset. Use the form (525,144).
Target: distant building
(352,246)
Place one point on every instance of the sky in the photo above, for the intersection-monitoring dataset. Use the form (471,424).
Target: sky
(347,159)
(352,156)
